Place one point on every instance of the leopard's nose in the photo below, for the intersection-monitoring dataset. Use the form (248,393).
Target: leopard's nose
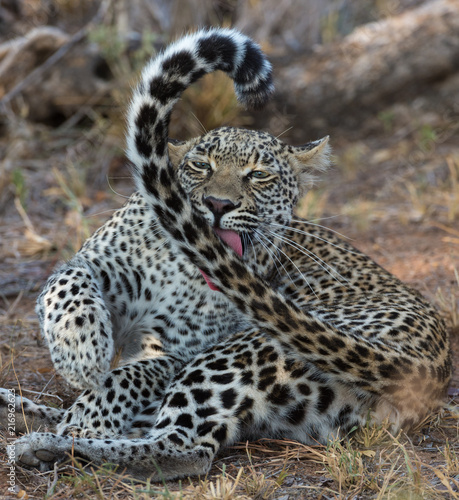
(218,206)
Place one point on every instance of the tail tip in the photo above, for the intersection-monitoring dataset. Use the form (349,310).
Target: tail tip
(255,98)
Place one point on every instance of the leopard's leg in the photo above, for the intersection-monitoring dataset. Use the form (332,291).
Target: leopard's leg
(126,392)
(24,415)
(158,451)
(123,394)
(250,386)
(76,324)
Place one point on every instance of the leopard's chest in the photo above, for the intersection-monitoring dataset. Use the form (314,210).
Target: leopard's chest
(152,290)
(183,310)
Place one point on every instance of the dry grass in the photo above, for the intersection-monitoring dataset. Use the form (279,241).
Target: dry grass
(423,465)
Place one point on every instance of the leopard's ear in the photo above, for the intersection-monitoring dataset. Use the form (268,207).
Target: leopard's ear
(309,159)
(178,149)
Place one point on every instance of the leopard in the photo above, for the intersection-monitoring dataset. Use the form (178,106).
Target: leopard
(230,317)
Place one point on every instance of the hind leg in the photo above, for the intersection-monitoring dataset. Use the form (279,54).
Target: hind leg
(248,387)
(125,392)
(24,415)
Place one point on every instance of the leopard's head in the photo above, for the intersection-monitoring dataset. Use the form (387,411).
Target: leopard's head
(247,182)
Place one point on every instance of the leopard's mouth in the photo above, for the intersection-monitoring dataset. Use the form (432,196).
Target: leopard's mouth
(233,240)
(238,241)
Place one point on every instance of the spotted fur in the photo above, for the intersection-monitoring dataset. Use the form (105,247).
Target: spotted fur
(305,338)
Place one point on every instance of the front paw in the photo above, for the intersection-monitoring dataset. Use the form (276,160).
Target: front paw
(82,365)
(41,450)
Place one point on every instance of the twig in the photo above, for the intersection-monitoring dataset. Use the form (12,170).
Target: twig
(13,306)
(36,75)
(25,218)
(52,484)
(79,114)
(41,393)
(44,389)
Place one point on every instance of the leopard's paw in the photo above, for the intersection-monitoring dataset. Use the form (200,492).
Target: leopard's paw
(42,450)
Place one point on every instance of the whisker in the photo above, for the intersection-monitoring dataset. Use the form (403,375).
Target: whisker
(296,267)
(113,190)
(295,230)
(139,224)
(253,247)
(200,122)
(323,227)
(284,132)
(312,256)
(160,247)
(152,222)
(270,252)
(151,236)
(101,213)
(246,239)
(319,218)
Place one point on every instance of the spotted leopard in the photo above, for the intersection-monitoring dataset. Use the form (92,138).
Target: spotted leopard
(234,319)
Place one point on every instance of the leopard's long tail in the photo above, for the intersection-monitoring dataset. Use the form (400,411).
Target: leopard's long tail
(165,78)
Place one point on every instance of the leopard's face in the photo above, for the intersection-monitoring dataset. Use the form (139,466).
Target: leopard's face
(245,181)
(240,181)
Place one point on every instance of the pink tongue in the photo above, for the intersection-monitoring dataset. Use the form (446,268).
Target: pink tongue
(233,240)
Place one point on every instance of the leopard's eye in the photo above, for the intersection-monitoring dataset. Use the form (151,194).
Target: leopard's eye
(200,165)
(259,174)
